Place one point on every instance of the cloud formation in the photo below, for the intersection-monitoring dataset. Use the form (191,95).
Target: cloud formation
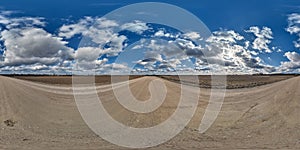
(232,49)
(10,23)
(136,26)
(27,46)
(105,40)
(263,38)
(33,45)
(293,64)
(224,49)
(294,27)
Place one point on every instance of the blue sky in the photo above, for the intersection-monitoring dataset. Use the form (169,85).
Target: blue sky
(243,17)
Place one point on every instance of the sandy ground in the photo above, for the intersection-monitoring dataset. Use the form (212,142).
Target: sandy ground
(42,116)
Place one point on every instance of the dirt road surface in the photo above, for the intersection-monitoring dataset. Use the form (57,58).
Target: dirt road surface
(43,116)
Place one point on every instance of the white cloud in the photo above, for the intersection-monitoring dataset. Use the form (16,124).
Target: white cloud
(88,54)
(29,47)
(230,50)
(104,40)
(136,26)
(68,31)
(87,57)
(223,50)
(170,49)
(7,12)
(193,35)
(160,55)
(292,56)
(293,63)
(103,23)
(162,33)
(108,41)
(116,45)
(263,38)
(113,68)
(99,29)
(294,21)
(225,37)
(26,46)
(12,22)
(150,58)
(294,27)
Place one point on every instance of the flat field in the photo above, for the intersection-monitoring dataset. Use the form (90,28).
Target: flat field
(204,81)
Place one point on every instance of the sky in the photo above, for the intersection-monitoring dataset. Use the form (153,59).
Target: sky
(93,36)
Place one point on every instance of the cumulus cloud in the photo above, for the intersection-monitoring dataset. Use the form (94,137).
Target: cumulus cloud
(87,57)
(263,38)
(224,49)
(87,53)
(26,46)
(293,56)
(293,63)
(162,33)
(225,37)
(13,22)
(105,40)
(99,30)
(88,26)
(113,68)
(193,35)
(153,55)
(160,54)
(294,27)
(230,48)
(150,59)
(136,26)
